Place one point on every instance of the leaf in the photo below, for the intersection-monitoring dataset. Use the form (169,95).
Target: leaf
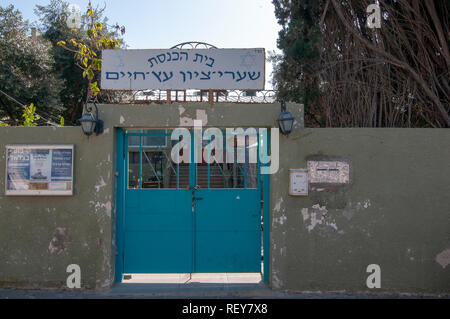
(61,43)
(29,115)
(99,26)
(90,74)
(96,64)
(94,88)
(89,33)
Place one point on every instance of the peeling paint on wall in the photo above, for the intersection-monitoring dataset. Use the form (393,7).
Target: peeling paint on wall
(280,220)
(278,205)
(59,241)
(188,121)
(276,282)
(202,116)
(305,214)
(108,209)
(100,184)
(97,205)
(443,258)
(318,215)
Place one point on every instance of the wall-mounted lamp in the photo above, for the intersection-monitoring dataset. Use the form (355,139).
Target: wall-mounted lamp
(285,120)
(89,123)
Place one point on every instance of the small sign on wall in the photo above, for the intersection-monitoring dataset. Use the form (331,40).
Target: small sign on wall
(39,170)
(329,172)
(298,182)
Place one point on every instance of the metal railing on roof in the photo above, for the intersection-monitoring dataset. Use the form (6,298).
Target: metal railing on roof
(219,96)
(211,96)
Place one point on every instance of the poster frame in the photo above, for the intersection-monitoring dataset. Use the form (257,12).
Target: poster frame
(45,192)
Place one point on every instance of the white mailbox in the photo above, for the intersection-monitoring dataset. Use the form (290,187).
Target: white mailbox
(298,182)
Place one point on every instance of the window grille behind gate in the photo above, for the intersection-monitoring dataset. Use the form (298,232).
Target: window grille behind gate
(150,164)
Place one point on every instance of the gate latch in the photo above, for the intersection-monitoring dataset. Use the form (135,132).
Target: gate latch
(197,198)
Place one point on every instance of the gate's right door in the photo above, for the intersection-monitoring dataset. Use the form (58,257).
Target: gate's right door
(228,211)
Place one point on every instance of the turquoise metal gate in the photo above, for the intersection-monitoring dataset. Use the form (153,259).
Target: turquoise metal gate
(185,217)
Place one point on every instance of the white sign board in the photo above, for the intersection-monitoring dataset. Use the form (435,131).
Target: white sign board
(39,170)
(298,182)
(179,69)
(328,172)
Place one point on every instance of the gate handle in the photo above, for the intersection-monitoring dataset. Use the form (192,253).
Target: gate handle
(197,198)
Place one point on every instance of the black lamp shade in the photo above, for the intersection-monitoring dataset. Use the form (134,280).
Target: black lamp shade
(285,122)
(88,123)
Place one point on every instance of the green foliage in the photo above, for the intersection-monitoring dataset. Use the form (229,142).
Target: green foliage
(298,39)
(75,55)
(29,115)
(26,67)
(85,51)
(35,69)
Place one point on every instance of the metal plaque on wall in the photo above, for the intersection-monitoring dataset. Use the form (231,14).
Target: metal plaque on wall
(329,172)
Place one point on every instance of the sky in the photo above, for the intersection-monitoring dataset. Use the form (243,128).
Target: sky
(161,24)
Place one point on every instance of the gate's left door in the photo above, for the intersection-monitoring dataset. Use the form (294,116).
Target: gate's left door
(157,227)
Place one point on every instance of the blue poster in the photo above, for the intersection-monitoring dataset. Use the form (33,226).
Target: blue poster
(18,167)
(62,165)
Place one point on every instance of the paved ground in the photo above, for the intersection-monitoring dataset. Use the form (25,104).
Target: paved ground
(182,286)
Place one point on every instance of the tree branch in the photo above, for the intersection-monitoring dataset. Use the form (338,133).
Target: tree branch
(395,61)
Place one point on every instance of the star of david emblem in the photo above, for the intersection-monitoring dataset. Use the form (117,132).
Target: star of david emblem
(248,60)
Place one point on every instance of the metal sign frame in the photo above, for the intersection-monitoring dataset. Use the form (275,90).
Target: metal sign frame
(26,183)
(181,69)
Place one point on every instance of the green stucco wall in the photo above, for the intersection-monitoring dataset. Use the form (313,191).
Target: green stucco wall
(41,235)
(394,213)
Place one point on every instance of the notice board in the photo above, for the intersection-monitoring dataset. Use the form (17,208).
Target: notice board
(39,170)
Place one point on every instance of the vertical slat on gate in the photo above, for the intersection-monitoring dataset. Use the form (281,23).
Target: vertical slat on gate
(192,183)
(245,162)
(178,169)
(258,169)
(209,186)
(140,161)
(266,217)
(120,186)
(192,179)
